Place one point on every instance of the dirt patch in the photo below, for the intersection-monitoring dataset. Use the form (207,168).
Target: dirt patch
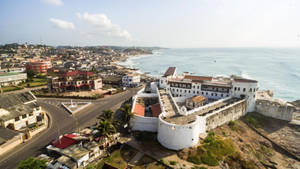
(252,150)
(86,93)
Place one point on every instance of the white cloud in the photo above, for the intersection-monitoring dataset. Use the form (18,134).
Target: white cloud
(62,24)
(104,25)
(54,2)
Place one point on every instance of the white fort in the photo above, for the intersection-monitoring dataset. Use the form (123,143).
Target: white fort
(182,107)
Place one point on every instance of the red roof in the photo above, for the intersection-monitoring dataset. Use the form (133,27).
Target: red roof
(170,71)
(77,72)
(139,109)
(198,78)
(65,141)
(156,110)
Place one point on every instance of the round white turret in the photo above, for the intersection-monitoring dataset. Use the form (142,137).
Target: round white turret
(176,137)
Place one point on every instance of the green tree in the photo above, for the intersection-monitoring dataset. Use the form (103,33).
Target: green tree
(126,109)
(106,127)
(32,163)
(107,115)
(30,74)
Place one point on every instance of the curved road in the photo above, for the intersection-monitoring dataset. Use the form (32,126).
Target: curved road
(60,123)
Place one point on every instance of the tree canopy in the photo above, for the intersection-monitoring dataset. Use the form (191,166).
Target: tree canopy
(32,163)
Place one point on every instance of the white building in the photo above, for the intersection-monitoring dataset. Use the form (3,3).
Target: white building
(12,78)
(171,72)
(17,111)
(228,98)
(131,80)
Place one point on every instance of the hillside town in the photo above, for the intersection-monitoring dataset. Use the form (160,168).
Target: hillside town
(76,107)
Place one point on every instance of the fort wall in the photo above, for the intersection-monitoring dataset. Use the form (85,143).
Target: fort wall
(275,109)
(226,114)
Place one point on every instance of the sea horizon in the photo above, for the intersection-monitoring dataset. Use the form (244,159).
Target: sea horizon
(275,68)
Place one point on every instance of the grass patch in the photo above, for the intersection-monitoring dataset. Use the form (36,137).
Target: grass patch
(172,162)
(213,150)
(254,119)
(266,150)
(233,126)
(34,82)
(11,88)
(116,160)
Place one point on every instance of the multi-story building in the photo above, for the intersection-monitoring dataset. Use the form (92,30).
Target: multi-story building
(74,81)
(131,80)
(18,111)
(39,66)
(12,78)
(191,105)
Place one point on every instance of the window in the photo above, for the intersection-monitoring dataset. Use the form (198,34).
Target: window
(202,93)
(206,93)
(17,118)
(197,87)
(250,90)
(189,91)
(24,116)
(30,114)
(212,94)
(234,88)
(244,89)
(221,95)
(216,94)
(239,89)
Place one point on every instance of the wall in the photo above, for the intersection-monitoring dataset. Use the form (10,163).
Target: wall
(222,116)
(208,105)
(10,144)
(178,137)
(272,108)
(140,123)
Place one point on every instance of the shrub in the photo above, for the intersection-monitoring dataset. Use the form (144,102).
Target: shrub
(172,162)
(32,163)
(209,159)
(213,150)
(210,138)
(232,125)
(194,159)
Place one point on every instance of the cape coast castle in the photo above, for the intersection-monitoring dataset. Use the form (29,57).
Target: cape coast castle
(181,108)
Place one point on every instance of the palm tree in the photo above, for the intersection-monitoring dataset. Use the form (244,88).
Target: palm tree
(107,115)
(126,109)
(106,128)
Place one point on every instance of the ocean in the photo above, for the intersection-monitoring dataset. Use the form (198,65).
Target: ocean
(276,69)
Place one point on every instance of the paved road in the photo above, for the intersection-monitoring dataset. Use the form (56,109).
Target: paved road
(61,122)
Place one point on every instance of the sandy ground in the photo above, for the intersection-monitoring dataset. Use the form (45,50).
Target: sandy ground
(85,93)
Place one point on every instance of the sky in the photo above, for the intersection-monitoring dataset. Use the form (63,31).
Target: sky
(164,23)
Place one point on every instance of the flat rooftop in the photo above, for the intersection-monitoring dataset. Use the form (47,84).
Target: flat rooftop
(10,73)
(168,105)
(173,116)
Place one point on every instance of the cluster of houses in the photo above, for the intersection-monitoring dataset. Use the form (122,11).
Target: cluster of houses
(70,68)
(20,118)
(77,150)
